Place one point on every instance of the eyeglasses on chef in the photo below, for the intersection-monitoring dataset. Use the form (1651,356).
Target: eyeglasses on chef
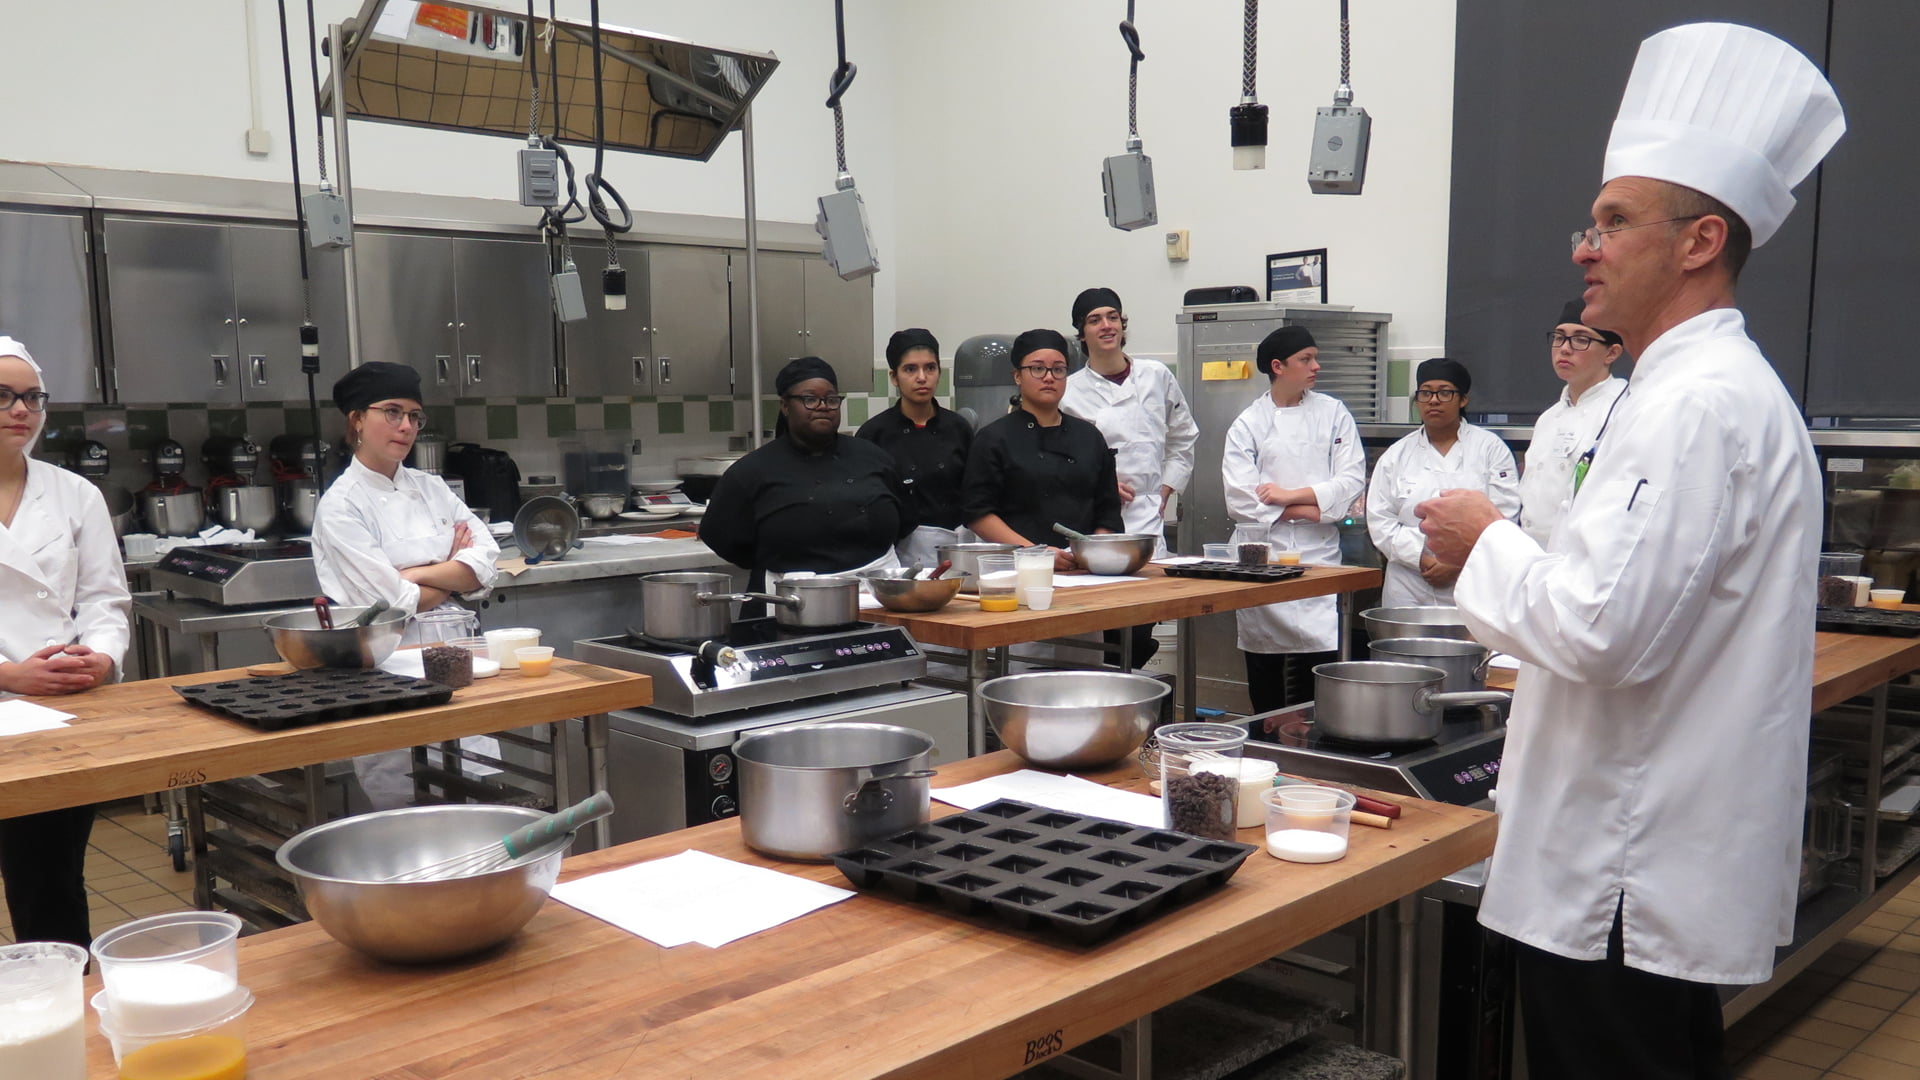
(35,400)
(395,415)
(1038,371)
(817,401)
(1576,342)
(1435,395)
(1595,236)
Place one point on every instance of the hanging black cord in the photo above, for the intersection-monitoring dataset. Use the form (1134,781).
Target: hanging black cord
(1248,61)
(313,76)
(309,365)
(1132,37)
(596,180)
(838,85)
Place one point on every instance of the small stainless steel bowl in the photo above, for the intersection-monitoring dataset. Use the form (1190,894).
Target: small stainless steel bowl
(1073,719)
(602,505)
(898,592)
(298,639)
(1113,553)
(339,868)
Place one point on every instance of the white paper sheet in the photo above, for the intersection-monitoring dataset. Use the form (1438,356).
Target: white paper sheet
(1070,793)
(1179,560)
(621,541)
(696,897)
(869,603)
(19,717)
(1068,581)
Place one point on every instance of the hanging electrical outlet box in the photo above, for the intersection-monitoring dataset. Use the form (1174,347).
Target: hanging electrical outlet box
(1127,182)
(327,225)
(846,242)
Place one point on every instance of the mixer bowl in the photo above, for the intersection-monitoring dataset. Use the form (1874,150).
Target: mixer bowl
(180,514)
(1113,553)
(1073,719)
(300,641)
(248,506)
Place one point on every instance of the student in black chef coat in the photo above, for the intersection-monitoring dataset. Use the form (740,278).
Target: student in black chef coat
(1036,465)
(812,499)
(929,445)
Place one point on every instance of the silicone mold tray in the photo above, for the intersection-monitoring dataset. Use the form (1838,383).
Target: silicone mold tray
(312,697)
(1233,571)
(1890,623)
(1081,878)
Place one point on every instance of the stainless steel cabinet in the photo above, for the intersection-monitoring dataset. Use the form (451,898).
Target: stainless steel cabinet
(46,301)
(202,311)
(805,310)
(673,337)
(470,314)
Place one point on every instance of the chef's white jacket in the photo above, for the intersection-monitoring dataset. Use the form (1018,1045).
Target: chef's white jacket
(1411,472)
(61,579)
(1560,436)
(369,528)
(1147,424)
(1312,444)
(1657,755)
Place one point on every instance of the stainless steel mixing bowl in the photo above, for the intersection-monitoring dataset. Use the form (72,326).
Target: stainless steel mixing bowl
(339,867)
(898,592)
(1073,719)
(1113,553)
(298,639)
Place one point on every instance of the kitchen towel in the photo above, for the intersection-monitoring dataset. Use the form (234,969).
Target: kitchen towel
(696,897)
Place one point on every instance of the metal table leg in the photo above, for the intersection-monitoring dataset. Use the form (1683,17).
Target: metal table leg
(1406,917)
(562,751)
(977,673)
(1190,669)
(596,734)
(1344,602)
(1136,1049)
(209,652)
(197,833)
(315,778)
(162,650)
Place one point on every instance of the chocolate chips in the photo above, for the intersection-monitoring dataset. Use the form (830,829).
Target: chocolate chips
(448,665)
(1202,803)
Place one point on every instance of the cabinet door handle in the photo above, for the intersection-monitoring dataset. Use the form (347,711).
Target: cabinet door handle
(665,364)
(442,369)
(219,371)
(449,326)
(473,367)
(257,362)
(639,371)
(243,320)
(226,322)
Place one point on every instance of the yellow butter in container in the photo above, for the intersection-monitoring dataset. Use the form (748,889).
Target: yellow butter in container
(1887,597)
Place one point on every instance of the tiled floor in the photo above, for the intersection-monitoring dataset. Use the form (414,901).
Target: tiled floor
(129,874)
(1855,1013)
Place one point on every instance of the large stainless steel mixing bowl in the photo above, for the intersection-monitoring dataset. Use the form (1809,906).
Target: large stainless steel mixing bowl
(898,592)
(1073,719)
(1113,553)
(298,639)
(339,867)
(179,514)
(1430,621)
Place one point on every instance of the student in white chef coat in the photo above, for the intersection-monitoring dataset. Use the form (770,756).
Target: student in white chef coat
(1583,356)
(1446,453)
(1138,407)
(1293,462)
(1666,638)
(63,630)
(386,532)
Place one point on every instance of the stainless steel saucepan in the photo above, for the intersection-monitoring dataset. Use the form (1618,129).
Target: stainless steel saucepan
(810,790)
(1376,701)
(1465,662)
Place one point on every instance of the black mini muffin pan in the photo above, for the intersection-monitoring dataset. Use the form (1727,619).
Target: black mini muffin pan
(1233,571)
(1881,621)
(1081,878)
(311,697)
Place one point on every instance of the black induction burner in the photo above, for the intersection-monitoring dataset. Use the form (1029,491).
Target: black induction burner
(1458,766)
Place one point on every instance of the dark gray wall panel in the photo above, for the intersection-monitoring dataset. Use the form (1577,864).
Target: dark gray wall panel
(1536,85)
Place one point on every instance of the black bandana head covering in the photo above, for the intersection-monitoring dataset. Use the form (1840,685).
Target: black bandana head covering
(1033,341)
(375,380)
(1091,300)
(799,371)
(905,341)
(1440,367)
(1571,314)
(1281,345)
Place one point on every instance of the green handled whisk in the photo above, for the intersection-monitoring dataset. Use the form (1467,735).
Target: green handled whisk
(515,845)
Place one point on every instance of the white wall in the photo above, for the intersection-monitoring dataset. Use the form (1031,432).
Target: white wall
(975,130)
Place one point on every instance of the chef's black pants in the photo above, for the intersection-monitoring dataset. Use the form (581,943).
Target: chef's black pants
(1144,645)
(1603,1020)
(1280,680)
(43,860)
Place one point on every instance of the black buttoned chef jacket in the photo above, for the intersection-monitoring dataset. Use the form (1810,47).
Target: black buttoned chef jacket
(1033,476)
(932,460)
(782,508)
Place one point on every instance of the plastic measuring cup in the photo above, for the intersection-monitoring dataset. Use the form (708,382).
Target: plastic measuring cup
(1307,823)
(169,972)
(1033,571)
(42,1022)
(999,582)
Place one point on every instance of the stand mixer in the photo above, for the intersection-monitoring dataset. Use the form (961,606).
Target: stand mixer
(90,460)
(233,498)
(171,506)
(297,462)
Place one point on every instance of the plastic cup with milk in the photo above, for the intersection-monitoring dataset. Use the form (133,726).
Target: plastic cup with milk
(42,1021)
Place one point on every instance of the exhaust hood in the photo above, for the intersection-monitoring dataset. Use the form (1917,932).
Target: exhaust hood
(464,67)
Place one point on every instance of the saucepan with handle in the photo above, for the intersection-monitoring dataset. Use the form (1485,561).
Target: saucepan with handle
(1375,701)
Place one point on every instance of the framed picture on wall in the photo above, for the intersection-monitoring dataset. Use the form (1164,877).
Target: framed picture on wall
(1297,277)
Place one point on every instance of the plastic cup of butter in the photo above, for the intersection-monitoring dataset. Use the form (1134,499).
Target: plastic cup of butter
(1887,597)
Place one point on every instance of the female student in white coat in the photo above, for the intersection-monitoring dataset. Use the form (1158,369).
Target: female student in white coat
(1445,454)
(386,532)
(64,629)
(1293,463)
(1582,356)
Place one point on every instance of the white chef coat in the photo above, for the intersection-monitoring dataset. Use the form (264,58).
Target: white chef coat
(1410,473)
(1147,424)
(368,528)
(1316,444)
(1560,436)
(1658,754)
(61,579)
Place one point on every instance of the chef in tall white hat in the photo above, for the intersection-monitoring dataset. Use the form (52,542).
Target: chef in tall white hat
(1651,793)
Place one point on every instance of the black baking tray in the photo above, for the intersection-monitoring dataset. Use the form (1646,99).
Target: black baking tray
(1883,621)
(1077,877)
(275,702)
(1233,571)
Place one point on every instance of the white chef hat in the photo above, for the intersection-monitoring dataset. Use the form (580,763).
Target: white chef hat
(11,347)
(1729,111)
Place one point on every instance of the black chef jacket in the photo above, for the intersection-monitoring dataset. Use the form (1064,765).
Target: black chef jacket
(932,460)
(782,508)
(1033,476)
